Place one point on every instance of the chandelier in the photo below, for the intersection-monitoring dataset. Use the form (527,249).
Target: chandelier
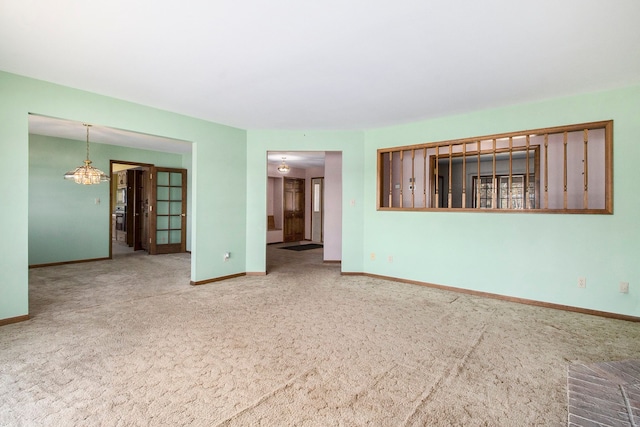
(86,174)
(283,168)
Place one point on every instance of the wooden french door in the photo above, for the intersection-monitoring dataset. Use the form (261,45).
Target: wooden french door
(167,210)
(293,227)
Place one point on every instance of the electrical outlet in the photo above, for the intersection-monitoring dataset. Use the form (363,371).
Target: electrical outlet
(226,256)
(624,287)
(582,282)
(372,256)
(390,259)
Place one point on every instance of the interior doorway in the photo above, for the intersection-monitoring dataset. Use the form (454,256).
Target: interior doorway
(148,209)
(322,175)
(130,194)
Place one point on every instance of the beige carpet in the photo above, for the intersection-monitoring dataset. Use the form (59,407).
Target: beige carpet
(129,342)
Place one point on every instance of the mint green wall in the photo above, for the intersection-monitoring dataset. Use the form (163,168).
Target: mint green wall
(537,257)
(350,143)
(214,145)
(65,223)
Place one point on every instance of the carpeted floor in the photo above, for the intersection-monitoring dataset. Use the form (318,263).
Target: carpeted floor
(129,342)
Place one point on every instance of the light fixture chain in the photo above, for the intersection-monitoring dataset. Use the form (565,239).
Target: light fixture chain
(87,140)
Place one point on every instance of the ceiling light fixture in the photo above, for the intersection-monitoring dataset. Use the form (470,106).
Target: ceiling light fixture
(283,168)
(86,174)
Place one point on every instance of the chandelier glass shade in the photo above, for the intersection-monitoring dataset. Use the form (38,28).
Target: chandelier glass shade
(86,174)
(283,168)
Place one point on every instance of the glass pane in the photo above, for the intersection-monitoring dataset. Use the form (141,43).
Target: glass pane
(162,222)
(176,208)
(162,178)
(175,222)
(163,208)
(176,193)
(176,179)
(162,237)
(175,236)
(163,193)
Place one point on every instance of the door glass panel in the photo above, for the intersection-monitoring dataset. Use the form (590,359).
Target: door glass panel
(162,237)
(163,193)
(176,193)
(176,208)
(175,222)
(163,208)
(163,178)
(175,236)
(162,222)
(176,179)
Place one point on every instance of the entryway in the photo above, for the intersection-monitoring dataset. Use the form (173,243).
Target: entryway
(304,200)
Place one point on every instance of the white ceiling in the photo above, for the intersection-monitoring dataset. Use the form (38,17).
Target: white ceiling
(297,159)
(330,64)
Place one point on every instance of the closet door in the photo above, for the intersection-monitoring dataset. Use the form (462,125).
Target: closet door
(168,211)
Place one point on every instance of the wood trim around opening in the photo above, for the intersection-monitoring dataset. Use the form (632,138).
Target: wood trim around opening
(606,125)
(525,301)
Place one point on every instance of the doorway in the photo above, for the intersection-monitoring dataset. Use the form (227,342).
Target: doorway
(129,207)
(323,227)
(148,209)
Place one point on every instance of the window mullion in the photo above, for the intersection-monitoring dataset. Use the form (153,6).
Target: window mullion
(585,171)
(546,171)
(494,189)
(424,177)
(464,175)
(477,195)
(450,192)
(527,199)
(566,195)
(509,195)
(413,178)
(401,178)
(391,179)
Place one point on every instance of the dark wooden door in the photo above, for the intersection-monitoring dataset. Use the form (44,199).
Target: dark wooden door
(138,209)
(293,227)
(130,210)
(145,215)
(137,221)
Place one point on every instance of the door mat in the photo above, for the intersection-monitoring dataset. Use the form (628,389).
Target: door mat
(302,247)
